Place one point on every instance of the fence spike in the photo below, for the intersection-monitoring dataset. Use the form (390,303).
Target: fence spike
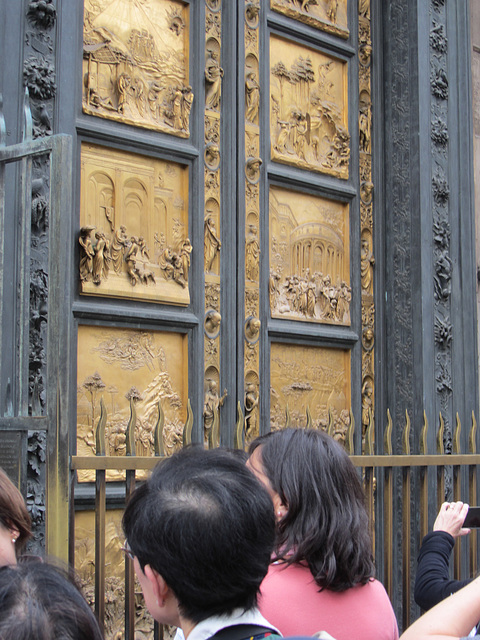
(441,427)
(238,442)
(28,131)
(349,448)
(288,420)
(3,129)
(423,436)
(406,435)
(100,430)
(472,440)
(130,433)
(387,437)
(369,435)
(187,429)
(158,444)
(456,435)
(331,423)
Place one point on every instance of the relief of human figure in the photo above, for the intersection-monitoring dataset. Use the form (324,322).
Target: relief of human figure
(101,259)
(332,8)
(184,263)
(212,243)
(131,260)
(251,403)
(211,404)
(187,102)
(86,253)
(123,86)
(252,97)
(213,76)
(119,245)
(252,253)
(366,265)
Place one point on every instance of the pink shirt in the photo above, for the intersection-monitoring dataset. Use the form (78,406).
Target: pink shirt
(290,600)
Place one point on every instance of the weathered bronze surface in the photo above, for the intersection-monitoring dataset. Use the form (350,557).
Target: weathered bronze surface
(308,109)
(129,368)
(133,227)
(135,63)
(309,258)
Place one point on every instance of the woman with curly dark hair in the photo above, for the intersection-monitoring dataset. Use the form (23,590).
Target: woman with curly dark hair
(322,574)
(15,524)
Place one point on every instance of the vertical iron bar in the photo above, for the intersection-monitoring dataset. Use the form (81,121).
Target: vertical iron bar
(129,571)
(100,508)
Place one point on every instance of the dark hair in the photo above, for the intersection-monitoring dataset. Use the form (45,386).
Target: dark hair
(13,511)
(207,526)
(326,524)
(39,602)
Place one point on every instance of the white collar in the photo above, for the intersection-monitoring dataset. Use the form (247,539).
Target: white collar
(210,626)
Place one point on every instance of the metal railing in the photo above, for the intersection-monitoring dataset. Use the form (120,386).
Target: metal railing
(400,491)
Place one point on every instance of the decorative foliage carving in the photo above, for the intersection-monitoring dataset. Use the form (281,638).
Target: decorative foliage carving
(441,190)
(439,132)
(439,82)
(39,76)
(438,39)
(41,13)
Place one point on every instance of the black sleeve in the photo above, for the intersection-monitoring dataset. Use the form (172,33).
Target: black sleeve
(433,582)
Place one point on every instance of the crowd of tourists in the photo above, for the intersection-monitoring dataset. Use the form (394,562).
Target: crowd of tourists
(230,546)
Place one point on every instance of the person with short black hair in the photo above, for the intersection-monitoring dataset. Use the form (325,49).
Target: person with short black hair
(201,532)
(322,576)
(40,602)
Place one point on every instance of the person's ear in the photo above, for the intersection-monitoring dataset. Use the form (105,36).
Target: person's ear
(159,586)
(281,509)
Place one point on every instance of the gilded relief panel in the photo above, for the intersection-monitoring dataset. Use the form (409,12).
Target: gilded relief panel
(129,371)
(308,109)
(135,63)
(133,227)
(328,15)
(114,578)
(309,258)
(310,377)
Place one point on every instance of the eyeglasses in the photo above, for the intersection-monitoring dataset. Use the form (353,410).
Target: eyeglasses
(127,551)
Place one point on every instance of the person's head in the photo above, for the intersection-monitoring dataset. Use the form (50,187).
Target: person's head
(15,524)
(39,602)
(319,505)
(201,530)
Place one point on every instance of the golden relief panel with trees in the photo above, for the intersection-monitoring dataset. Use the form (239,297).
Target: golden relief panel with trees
(309,258)
(308,109)
(328,15)
(316,379)
(133,227)
(126,373)
(135,63)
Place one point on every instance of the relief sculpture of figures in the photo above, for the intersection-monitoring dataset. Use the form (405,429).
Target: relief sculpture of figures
(212,243)
(252,253)
(309,266)
(252,97)
(308,124)
(251,403)
(328,15)
(366,266)
(132,70)
(211,404)
(86,253)
(140,248)
(213,78)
